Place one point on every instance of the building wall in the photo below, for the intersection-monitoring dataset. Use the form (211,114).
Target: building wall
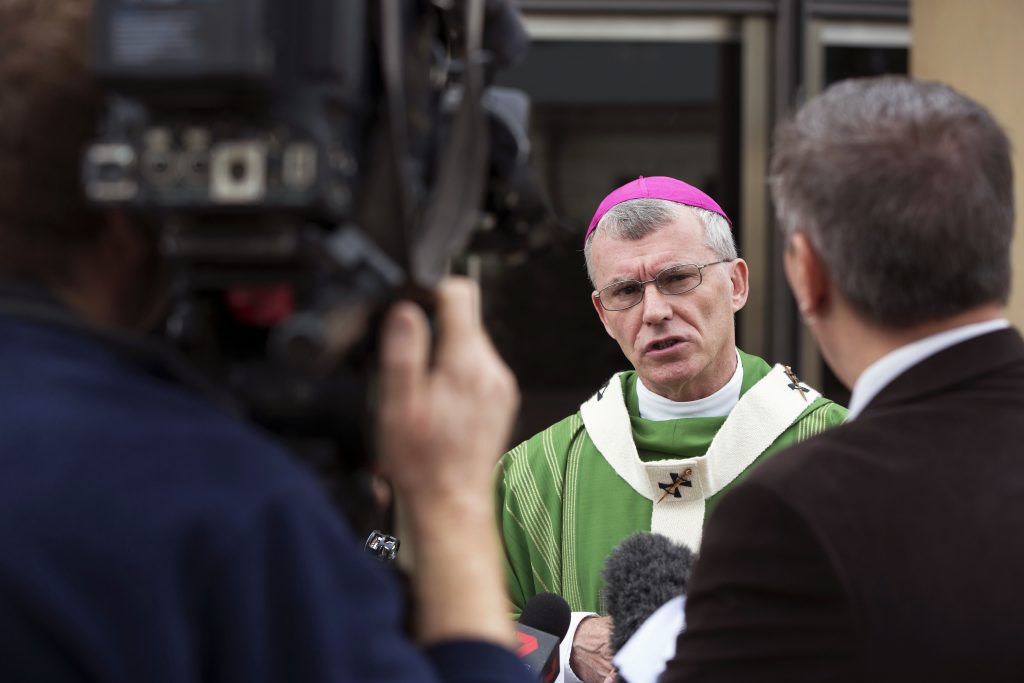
(975,47)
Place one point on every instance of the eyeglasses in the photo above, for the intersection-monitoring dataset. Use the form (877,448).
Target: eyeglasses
(618,296)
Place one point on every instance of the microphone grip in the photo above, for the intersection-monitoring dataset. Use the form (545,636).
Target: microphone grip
(538,650)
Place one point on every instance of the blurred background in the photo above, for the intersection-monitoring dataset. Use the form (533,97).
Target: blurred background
(691,89)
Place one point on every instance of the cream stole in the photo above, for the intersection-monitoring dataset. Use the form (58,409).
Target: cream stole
(678,489)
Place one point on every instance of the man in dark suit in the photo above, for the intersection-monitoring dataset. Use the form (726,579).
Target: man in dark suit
(888,548)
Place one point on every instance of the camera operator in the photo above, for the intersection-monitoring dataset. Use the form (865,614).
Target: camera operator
(148,534)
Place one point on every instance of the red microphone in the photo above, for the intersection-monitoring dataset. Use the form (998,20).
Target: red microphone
(539,631)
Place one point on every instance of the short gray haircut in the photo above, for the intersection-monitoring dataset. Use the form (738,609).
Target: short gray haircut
(634,219)
(905,189)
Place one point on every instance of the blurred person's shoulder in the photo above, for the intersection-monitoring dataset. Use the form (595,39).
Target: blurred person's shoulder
(80,405)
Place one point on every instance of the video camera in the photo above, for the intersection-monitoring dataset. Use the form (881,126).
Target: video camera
(305,162)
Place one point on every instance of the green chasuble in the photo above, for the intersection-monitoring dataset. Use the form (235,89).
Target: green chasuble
(562,508)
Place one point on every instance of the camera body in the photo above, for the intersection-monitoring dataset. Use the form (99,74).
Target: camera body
(232,105)
(303,163)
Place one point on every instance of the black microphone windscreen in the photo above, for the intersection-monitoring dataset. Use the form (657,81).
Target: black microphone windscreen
(643,573)
(547,612)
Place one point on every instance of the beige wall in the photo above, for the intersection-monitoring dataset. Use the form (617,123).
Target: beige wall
(977,47)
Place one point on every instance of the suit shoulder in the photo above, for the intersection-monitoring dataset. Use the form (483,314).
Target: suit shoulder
(809,462)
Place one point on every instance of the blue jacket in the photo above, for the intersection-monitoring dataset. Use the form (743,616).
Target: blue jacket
(147,536)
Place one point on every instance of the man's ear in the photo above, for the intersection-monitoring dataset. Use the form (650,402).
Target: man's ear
(100,276)
(122,242)
(739,277)
(135,272)
(807,276)
(601,313)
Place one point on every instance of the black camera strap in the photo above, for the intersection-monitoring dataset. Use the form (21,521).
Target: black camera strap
(437,224)
(450,218)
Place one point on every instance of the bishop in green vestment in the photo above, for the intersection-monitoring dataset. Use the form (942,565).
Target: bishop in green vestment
(563,508)
(655,447)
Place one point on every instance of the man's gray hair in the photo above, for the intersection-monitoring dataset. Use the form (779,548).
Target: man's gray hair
(905,189)
(634,219)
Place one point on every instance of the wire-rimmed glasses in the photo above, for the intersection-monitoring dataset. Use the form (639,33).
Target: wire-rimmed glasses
(679,279)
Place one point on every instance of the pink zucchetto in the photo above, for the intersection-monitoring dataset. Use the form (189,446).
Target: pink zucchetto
(655,187)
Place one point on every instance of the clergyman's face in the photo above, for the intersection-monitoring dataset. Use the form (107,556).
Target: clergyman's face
(683,345)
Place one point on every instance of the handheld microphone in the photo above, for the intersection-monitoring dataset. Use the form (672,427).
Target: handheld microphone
(539,631)
(644,572)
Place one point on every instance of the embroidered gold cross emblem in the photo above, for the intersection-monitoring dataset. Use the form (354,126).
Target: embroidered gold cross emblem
(672,488)
(796,386)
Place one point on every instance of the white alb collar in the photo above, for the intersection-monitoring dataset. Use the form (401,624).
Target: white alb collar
(718,404)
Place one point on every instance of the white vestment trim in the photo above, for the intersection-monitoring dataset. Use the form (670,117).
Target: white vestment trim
(759,418)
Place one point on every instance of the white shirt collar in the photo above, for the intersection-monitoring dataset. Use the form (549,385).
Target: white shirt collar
(879,374)
(718,404)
